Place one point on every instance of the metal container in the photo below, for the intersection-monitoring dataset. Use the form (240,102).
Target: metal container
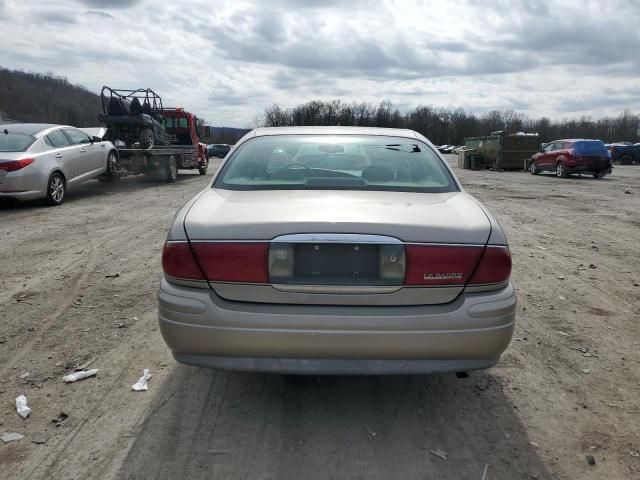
(500,151)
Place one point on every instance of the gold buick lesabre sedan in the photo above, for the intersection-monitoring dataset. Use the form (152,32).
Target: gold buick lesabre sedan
(336,250)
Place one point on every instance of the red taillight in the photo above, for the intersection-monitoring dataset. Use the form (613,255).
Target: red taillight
(440,265)
(233,262)
(13,165)
(495,266)
(178,261)
(425,264)
(457,265)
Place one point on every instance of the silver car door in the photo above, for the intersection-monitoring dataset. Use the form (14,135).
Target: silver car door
(96,155)
(79,163)
(63,155)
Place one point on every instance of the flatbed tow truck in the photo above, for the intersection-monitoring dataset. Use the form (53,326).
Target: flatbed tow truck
(151,139)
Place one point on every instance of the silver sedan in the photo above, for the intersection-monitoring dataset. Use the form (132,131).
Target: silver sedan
(336,250)
(44,161)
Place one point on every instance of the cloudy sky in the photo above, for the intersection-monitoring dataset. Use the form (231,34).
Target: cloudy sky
(228,60)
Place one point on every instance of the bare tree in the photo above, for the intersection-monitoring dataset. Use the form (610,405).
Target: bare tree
(443,125)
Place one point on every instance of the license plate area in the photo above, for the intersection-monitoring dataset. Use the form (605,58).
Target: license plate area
(336,263)
(333,263)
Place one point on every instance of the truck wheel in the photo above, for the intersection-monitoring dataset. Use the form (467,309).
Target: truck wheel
(56,189)
(172,170)
(146,138)
(202,169)
(626,160)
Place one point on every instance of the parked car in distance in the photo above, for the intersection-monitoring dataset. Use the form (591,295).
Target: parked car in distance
(218,149)
(441,148)
(564,157)
(43,161)
(336,250)
(625,153)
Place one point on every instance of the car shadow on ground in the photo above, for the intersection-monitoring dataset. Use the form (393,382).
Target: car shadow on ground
(220,425)
(94,189)
(575,176)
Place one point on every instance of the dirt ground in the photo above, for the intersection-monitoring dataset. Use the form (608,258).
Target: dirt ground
(78,282)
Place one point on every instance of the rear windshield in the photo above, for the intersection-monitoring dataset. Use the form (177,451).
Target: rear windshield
(590,146)
(15,142)
(343,162)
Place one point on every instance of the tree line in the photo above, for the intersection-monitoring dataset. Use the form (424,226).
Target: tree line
(46,98)
(37,97)
(451,126)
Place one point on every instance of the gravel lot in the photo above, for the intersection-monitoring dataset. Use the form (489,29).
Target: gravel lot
(78,282)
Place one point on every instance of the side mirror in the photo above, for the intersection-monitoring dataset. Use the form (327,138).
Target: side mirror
(95,139)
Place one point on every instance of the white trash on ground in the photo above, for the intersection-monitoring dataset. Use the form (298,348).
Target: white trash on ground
(10,437)
(21,406)
(142,383)
(74,377)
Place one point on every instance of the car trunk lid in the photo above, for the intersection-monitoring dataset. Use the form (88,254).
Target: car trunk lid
(337,244)
(411,217)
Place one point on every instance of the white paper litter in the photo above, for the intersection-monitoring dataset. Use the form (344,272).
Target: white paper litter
(11,437)
(21,406)
(74,377)
(142,383)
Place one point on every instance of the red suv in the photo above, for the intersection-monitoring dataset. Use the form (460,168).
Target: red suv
(565,157)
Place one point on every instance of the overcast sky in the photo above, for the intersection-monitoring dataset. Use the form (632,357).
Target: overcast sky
(228,60)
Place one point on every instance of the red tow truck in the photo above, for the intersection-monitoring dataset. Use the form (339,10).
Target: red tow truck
(151,139)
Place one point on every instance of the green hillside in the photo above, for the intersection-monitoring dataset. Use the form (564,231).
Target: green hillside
(46,98)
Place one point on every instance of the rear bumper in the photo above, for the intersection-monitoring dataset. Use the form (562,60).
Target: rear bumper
(331,366)
(595,168)
(466,334)
(27,184)
(28,195)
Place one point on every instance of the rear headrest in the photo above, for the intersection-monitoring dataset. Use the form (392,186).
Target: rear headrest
(136,107)
(377,173)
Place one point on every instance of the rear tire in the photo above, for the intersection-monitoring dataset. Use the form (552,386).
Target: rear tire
(56,189)
(626,160)
(533,169)
(171,174)
(561,171)
(600,174)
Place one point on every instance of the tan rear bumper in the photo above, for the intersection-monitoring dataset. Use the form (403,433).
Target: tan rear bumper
(203,329)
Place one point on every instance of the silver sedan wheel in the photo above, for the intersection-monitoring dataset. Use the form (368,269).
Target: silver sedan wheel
(56,189)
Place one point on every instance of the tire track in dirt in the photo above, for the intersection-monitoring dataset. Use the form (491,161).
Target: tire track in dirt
(87,445)
(64,303)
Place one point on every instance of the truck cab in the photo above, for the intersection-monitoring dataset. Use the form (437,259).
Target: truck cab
(184,128)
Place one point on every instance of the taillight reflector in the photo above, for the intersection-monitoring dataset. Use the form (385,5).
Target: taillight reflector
(495,266)
(233,262)
(440,265)
(13,165)
(178,262)
(249,262)
(457,265)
